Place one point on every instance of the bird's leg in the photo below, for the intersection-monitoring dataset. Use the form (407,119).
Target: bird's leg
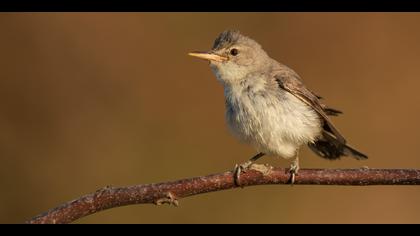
(294,168)
(240,168)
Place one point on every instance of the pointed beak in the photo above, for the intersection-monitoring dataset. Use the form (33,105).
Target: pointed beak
(208,56)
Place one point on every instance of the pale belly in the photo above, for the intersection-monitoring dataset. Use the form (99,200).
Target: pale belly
(275,126)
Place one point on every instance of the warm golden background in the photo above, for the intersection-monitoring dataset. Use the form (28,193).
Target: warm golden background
(95,99)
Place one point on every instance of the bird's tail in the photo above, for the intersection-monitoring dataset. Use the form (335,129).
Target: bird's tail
(328,147)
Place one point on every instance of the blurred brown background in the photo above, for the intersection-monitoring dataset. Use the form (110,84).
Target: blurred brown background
(89,100)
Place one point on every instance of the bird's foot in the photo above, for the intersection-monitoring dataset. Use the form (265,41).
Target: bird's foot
(294,168)
(238,170)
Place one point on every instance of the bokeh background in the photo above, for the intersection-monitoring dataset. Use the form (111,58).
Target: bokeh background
(95,99)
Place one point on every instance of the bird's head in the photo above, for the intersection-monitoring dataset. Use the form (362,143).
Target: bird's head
(234,56)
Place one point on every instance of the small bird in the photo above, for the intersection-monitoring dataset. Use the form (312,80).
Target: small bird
(269,107)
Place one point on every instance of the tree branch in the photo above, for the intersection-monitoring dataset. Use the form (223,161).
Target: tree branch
(170,192)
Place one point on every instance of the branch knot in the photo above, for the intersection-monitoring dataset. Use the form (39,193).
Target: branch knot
(168,199)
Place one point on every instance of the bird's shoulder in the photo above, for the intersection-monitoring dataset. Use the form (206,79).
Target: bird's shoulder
(287,79)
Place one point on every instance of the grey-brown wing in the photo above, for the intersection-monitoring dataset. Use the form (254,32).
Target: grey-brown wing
(295,86)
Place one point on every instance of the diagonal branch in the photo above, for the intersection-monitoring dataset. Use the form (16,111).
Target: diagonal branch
(170,192)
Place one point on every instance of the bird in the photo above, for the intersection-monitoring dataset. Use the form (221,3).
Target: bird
(269,107)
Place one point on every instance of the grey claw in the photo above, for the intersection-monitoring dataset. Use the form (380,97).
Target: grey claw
(293,172)
(237,172)
(292,178)
(294,168)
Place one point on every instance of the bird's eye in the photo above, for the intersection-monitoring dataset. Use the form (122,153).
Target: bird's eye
(234,52)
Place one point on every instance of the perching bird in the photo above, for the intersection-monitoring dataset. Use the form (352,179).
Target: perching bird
(269,107)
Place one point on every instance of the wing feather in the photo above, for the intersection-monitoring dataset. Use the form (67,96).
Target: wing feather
(292,84)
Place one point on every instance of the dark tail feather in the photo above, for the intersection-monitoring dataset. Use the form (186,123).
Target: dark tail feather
(332,111)
(349,151)
(330,148)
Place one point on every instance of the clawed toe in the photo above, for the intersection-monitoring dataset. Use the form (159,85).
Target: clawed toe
(243,167)
(238,170)
(292,178)
(293,172)
(294,168)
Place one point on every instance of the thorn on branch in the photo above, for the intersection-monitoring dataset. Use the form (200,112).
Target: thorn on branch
(168,199)
(101,191)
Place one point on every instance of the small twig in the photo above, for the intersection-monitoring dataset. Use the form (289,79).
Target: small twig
(171,192)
